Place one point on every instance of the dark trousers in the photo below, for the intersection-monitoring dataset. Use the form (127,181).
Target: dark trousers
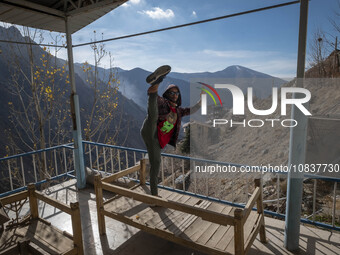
(149,134)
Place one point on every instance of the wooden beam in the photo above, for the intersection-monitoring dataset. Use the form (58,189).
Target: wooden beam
(15,197)
(51,201)
(142,175)
(260,210)
(100,206)
(239,232)
(250,241)
(149,199)
(251,202)
(166,234)
(33,201)
(76,227)
(120,174)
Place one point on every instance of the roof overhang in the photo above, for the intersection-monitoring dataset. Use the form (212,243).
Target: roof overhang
(51,14)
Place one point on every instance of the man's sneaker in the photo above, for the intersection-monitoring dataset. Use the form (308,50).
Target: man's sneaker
(157,76)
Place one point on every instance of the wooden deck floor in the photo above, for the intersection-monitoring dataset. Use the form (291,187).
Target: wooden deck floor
(41,234)
(122,239)
(176,225)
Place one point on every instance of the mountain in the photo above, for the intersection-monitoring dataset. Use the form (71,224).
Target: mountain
(129,115)
(134,86)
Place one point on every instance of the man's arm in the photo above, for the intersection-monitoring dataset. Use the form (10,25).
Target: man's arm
(190,110)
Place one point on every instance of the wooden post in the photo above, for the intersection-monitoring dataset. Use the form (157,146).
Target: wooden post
(76,227)
(142,175)
(238,232)
(100,206)
(260,211)
(33,201)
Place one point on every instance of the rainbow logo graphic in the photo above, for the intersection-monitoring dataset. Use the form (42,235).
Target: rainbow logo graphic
(209,93)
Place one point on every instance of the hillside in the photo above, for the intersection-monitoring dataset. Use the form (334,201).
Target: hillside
(129,115)
(270,145)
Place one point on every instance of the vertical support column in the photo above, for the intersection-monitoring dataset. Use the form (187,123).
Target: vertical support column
(76,227)
(75,112)
(33,201)
(259,203)
(100,206)
(297,145)
(238,232)
(142,174)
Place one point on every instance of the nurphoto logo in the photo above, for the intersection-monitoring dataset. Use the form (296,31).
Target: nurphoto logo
(239,104)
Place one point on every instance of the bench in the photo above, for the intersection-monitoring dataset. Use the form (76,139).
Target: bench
(205,225)
(34,235)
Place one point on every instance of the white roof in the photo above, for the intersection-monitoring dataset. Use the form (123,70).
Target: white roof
(51,14)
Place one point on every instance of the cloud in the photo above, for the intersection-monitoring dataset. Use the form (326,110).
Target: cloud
(194,14)
(158,13)
(131,2)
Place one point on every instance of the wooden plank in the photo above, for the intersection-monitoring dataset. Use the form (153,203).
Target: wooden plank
(142,175)
(191,228)
(239,232)
(250,223)
(99,204)
(52,201)
(258,183)
(250,233)
(15,197)
(148,213)
(251,202)
(177,216)
(206,215)
(177,225)
(189,219)
(209,233)
(201,228)
(165,235)
(226,243)
(120,174)
(162,213)
(76,227)
(33,201)
(217,236)
(47,237)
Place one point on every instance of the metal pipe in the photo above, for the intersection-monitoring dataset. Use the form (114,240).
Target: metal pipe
(75,112)
(111,158)
(334,205)
(23,171)
(34,168)
(314,199)
(297,145)
(65,162)
(97,157)
(104,160)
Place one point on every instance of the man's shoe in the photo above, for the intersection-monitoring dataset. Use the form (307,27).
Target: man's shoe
(157,76)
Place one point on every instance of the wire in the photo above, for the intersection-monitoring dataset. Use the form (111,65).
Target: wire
(190,24)
(33,43)
(162,29)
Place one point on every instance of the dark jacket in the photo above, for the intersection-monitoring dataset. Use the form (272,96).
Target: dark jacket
(164,110)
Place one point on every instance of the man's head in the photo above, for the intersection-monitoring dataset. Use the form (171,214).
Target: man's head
(173,94)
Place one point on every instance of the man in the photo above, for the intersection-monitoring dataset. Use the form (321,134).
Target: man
(163,122)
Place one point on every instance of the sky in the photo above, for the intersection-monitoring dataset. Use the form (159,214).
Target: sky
(266,41)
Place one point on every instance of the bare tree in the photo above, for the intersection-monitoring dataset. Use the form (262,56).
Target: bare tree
(39,110)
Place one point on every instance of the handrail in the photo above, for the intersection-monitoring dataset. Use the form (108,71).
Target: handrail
(67,146)
(311,176)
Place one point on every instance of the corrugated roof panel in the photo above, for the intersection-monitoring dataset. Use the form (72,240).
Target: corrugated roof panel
(4,9)
(25,17)
(11,14)
(45,14)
